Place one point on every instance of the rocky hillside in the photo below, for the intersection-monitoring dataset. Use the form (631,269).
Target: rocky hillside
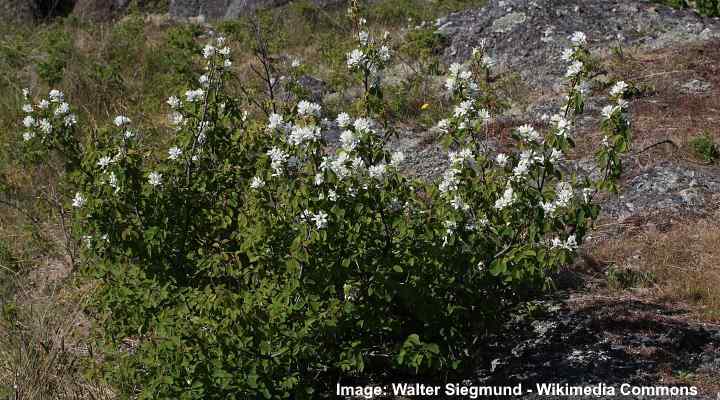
(643,304)
(28,10)
(642,333)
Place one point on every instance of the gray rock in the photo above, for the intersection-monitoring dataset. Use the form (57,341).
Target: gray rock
(99,10)
(226,9)
(531,40)
(667,187)
(696,86)
(16,10)
(506,23)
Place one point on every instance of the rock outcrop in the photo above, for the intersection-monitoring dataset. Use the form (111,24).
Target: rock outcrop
(16,10)
(529,35)
(227,9)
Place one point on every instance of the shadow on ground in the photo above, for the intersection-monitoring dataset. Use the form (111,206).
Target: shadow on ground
(585,340)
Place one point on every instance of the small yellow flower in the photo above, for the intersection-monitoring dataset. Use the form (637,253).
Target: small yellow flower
(425,106)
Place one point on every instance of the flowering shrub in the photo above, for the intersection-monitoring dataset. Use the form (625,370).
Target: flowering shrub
(249,259)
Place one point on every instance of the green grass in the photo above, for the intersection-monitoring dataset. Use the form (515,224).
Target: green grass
(705,148)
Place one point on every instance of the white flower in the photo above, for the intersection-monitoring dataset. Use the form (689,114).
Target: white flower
(174,153)
(176,119)
(338,166)
(194,95)
(501,159)
(104,161)
(343,120)
(507,198)
(203,80)
(556,156)
(357,164)
(458,204)
(56,96)
(332,196)
(319,179)
(605,141)
(275,121)
(70,120)
(257,183)
(574,69)
(455,68)
(556,243)
(208,51)
(79,201)
(463,108)
(225,51)
(561,123)
(588,193)
(484,115)
(121,121)
(295,63)
(227,64)
(443,125)
(384,53)
(377,171)
(397,158)
(549,208)
(450,84)
(564,194)
(173,102)
(363,125)
(488,62)
(28,108)
(348,140)
(44,104)
(62,109)
(450,226)
(277,159)
(461,157)
(618,88)
(529,133)
(28,135)
(567,55)
(355,58)
(29,121)
(301,134)
(308,108)
(26,93)
(320,219)
(570,244)
(155,179)
(608,111)
(46,126)
(450,181)
(578,39)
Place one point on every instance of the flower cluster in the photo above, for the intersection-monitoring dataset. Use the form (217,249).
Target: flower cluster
(49,119)
(371,55)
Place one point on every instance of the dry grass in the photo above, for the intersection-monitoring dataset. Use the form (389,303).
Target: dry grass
(43,354)
(663,110)
(684,262)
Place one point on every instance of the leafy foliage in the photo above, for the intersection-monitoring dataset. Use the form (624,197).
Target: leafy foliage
(255,259)
(705,147)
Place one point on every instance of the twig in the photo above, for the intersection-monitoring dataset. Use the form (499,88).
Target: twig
(668,141)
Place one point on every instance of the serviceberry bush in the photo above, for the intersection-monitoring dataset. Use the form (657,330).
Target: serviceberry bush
(254,259)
